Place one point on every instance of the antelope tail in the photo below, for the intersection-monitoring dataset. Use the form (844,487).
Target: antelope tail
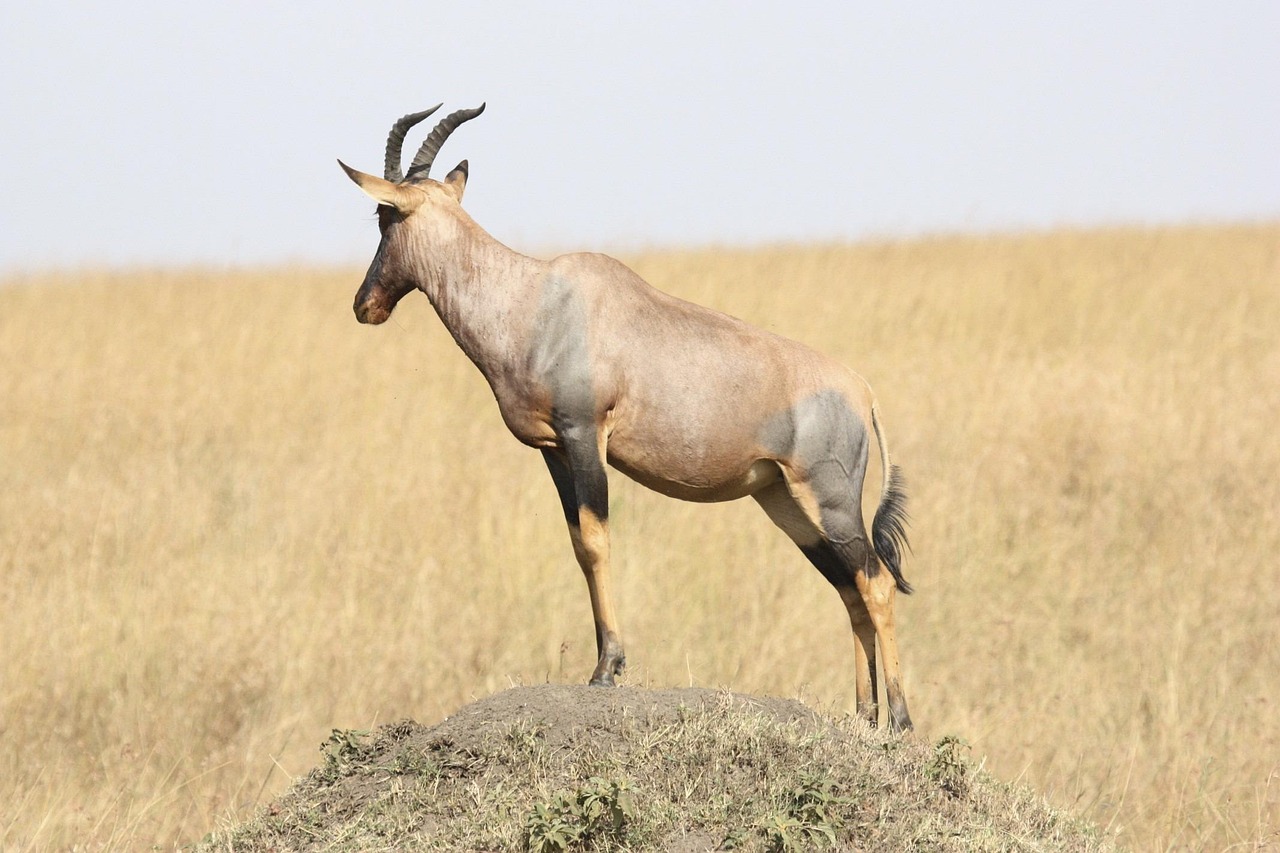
(889,527)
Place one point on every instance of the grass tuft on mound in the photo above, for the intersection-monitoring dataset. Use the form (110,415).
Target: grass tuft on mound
(556,768)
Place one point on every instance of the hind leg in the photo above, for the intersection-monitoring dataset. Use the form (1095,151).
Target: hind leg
(864,650)
(878,591)
(783,509)
(833,505)
(837,544)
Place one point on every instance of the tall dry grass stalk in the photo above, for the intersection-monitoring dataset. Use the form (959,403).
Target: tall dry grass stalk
(231,519)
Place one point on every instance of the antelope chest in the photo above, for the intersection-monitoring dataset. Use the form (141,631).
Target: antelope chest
(527,411)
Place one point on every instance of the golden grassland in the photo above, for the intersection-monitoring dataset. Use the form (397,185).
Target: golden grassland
(232,519)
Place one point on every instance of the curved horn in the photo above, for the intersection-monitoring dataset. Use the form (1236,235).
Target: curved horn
(421,165)
(396,140)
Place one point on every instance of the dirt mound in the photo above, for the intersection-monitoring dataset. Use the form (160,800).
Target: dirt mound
(558,767)
(572,715)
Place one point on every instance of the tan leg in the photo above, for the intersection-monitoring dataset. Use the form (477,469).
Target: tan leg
(864,650)
(877,594)
(591,547)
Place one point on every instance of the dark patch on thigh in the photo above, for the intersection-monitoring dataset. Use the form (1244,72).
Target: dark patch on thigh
(839,562)
(820,426)
(823,437)
(826,560)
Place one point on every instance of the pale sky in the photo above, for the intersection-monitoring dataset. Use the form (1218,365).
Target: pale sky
(179,133)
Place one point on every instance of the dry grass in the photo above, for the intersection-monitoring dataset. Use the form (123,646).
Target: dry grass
(231,519)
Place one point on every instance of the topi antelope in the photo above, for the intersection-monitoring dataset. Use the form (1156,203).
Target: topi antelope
(592,365)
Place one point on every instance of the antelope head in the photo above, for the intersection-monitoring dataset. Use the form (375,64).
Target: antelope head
(404,200)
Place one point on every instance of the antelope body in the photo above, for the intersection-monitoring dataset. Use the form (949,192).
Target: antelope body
(593,366)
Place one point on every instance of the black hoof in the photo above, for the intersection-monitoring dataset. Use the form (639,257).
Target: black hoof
(900,722)
(605,671)
(899,717)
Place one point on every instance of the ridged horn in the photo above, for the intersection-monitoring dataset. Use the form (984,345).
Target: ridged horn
(395,141)
(421,165)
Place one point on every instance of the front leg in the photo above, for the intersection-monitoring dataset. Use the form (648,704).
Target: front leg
(577,468)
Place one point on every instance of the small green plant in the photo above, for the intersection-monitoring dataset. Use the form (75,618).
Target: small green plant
(524,738)
(552,827)
(808,815)
(783,833)
(418,763)
(599,809)
(735,838)
(341,750)
(813,801)
(948,766)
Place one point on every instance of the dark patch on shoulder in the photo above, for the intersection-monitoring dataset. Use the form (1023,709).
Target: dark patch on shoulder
(560,355)
(593,496)
(587,481)
(564,485)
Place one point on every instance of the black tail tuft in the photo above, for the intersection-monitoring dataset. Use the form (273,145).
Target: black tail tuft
(889,527)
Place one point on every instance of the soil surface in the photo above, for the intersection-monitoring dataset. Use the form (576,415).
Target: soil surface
(572,715)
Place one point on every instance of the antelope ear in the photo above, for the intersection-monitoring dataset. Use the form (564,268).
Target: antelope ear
(456,181)
(405,199)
